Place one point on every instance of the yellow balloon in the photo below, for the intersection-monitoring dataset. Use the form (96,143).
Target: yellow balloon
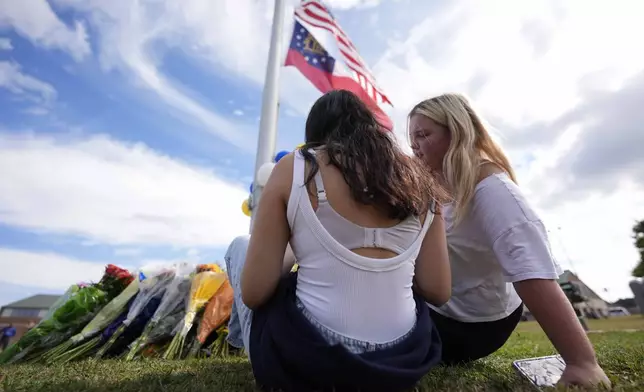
(300,146)
(246,208)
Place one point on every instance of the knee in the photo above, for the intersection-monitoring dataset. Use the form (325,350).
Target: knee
(237,248)
(240,242)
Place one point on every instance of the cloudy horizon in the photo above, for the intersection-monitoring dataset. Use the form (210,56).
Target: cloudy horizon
(128,129)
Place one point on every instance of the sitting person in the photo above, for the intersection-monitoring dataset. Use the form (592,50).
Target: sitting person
(360,219)
(498,247)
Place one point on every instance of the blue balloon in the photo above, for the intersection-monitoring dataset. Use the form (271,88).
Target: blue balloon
(251,187)
(281,155)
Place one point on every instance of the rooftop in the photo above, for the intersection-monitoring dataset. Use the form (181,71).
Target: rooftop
(40,301)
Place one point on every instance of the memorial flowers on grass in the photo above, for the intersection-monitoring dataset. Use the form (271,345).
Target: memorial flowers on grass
(152,283)
(73,348)
(204,285)
(174,296)
(217,312)
(81,305)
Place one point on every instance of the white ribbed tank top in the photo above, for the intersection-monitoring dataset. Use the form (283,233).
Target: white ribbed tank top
(355,296)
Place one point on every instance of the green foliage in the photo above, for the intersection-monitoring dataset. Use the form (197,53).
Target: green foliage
(78,310)
(638,236)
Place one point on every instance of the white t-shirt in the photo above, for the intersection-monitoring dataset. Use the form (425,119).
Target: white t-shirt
(499,241)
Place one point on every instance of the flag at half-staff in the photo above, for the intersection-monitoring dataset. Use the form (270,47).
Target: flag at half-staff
(325,71)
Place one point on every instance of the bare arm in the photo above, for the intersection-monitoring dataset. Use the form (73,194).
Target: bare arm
(555,314)
(433,276)
(266,254)
(520,243)
(550,307)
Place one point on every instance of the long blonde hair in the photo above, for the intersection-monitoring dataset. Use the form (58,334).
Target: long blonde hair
(471,144)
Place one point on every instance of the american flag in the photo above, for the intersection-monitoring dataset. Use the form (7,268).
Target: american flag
(314,13)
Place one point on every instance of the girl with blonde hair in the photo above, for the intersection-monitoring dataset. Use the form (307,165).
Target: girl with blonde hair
(498,247)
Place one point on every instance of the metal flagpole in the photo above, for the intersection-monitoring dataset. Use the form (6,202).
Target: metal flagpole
(270,103)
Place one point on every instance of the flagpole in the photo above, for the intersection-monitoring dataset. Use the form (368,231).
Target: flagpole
(270,103)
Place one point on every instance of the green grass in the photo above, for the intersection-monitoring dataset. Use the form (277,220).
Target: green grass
(621,355)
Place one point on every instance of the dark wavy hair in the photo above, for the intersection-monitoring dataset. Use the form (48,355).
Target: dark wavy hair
(377,171)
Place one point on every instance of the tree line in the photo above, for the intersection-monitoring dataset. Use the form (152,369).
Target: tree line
(638,237)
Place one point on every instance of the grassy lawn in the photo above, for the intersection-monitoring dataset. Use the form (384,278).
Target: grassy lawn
(621,353)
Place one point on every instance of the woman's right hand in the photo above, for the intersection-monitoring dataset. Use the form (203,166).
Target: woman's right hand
(585,376)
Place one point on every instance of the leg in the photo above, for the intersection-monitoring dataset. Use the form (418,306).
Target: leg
(241,316)
(465,342)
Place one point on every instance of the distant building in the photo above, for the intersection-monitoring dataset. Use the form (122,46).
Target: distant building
(593,307)
(26,313)
(627,303)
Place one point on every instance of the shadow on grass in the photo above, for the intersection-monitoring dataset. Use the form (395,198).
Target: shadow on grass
(149,376)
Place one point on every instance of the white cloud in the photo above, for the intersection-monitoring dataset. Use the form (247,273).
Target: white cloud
(595,234)
(5,44)
(128,251)
(135,36)
(46,270)
(229,37)
(522,62)
(115,193)
(484,49)
(36,111)
(238,112)
(13,79)
(527,63)
(36,21)
(347,4)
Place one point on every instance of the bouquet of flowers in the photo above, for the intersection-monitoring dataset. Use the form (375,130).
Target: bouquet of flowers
(204,285)
(115,280)
(160,335)
(134,329)
(111,311)
(216,314)
(152,283)
(107,333)
(175,295)
(82,303)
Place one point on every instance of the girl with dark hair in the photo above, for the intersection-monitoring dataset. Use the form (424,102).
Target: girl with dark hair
(361,220)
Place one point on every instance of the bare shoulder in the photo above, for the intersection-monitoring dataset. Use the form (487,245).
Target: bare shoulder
(282,176)
(488,169)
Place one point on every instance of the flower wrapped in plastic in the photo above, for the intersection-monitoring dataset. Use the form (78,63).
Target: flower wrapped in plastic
(204,285)
(81,306)
(114,280)
(162,333)
(72,348)
(217,312)
(135,328)
(152,283)
(174,296)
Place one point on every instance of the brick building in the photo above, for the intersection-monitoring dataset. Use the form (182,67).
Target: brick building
(26,313)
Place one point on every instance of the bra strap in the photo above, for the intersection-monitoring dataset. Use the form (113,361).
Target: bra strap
(319,184)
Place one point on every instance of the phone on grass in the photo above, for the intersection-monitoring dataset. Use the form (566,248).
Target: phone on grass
(542,371)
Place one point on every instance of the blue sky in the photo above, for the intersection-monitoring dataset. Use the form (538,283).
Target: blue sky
(128,129)
(79,105)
